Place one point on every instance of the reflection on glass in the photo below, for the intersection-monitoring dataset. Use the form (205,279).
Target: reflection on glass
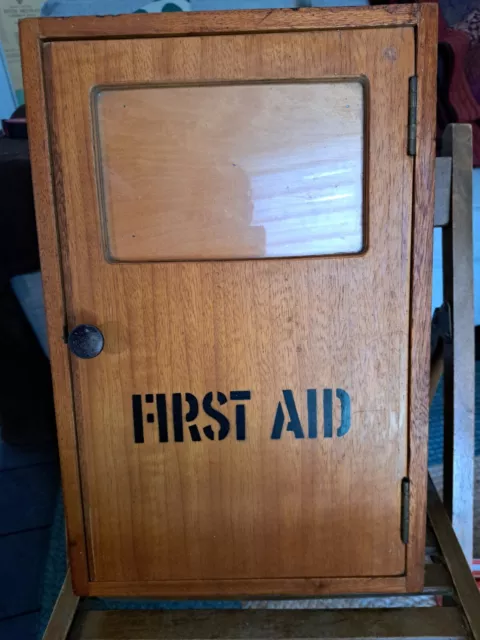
(232,171)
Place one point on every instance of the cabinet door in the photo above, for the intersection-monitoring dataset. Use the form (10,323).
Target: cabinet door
(235,216)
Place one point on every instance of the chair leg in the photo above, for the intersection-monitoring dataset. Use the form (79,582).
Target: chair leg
(63,612)
(459,352)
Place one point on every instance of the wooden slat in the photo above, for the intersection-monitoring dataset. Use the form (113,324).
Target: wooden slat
(431,545)
(424,177)
(443,185)
(264,21)
(261,624)
(457,565)
(295,587)
(459,354)
(437,580)
(63,612)
(53,289)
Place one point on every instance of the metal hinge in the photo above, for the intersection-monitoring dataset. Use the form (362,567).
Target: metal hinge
(405,510)
(412,116)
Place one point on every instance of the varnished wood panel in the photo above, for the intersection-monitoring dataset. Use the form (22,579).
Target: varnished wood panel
(247,588)
(53,295)
(221,22)
(231,170)
(437,581)
(424,193)
(97,285)
(261,508)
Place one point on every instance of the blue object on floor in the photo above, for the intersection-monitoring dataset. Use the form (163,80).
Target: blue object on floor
(27,497)
(21,627)
(435,428)
(29,481)
(22,567)
(29,291)
(15,456)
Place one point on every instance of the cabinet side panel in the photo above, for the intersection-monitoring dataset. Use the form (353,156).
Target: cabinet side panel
(424,178)
(35,66)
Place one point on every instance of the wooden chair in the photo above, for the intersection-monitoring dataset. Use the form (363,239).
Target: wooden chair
(449,549)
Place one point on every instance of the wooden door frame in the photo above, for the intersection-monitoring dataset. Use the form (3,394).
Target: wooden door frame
(37,33)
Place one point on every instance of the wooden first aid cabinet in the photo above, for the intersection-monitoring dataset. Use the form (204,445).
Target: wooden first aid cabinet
(235,216)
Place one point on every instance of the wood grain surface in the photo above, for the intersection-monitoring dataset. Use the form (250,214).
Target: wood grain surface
(443,191)
(423,623)
(261,508)
(54,296)
(224,22)
(423,205)
(293,515)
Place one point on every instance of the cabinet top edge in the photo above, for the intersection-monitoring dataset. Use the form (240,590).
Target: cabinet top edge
(223,22)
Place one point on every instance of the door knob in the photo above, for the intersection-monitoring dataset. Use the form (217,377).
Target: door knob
(86,341)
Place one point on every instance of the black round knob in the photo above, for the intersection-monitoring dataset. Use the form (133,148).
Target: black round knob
(86,341)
